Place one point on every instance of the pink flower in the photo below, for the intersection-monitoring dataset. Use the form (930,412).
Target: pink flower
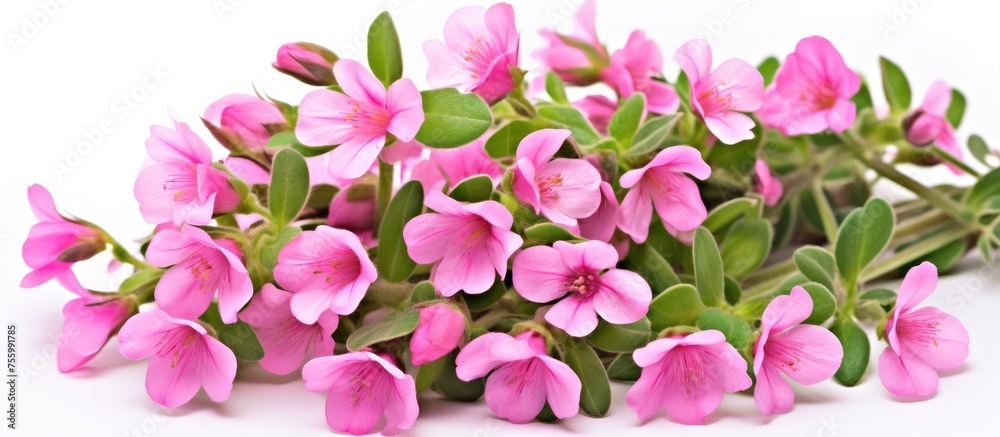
(544,274)
(54,244)
(602,223)
(561,189)
(201,268)
(182,187)
(326,269)
(632,70)
(525,377)
(287,342)
(686,376)
(355,214)
(89,320)
(929,124)
(767,185)
(440,330)
(469,243)
(454,165)
(182,358)
(920,340)
(719,96)
(812,91)
(479,50)
(360,119)
(246,119)
(598,109)
(307,62)
(363,388)
(662,184)
(807,354)
(579,57)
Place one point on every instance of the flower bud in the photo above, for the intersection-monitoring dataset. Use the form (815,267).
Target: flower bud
(244,122)
(921,129)
(439,331)
(307,62)
(83,249)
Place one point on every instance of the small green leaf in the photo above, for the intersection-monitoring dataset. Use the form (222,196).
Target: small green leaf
(649,264)
(473,189)
(746,246)
(883,296)
(986,187)
(623,368)
(726,213)
(620,338)
(504,141)
(653,134)
(548,233)
(384,54)
(269,252)
(768,68)
(817,264)
(625,121)
(423,292)
(321,195)
(857,350)
(428,373)
(484,301)
(452,119)
(956,110)
(824,303)
(394,263)
(141,280)
(679,305)
(289,186)
(449,386)
(737,332)
(897,88)
(389,328)
(732,290)
(556,89)
(571,118)
(863,98)
(238,337)
(595,397)
(979,149)
(862,236)
(708,272)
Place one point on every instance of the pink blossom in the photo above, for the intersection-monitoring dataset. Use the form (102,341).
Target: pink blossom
(767,185)
(686,375)
(183,357)
(54,244)
(307,62)
(920,340)
(440,330)
(720,96)
(662,185)
(326,269)
(585,277)
(354,212)
(363,389)
(525,377)
(89,321)
(245,119)
(201,267)
(598,109)
(360,119)
(812,91)
(929,124)
(602,223)
(807,354)
(579,61)
(469,243)
(182,187)
(287,342)
(561,189)
(633,69)
(451,166)
(479,50)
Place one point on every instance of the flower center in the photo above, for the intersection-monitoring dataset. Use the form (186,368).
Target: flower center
(919,330)
(176,343)
(819,97)
(584,283)
(479,56)
(547,185)
(184,184)
(365,117)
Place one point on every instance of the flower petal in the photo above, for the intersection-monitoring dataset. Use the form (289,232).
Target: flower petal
(814,353)
(574,314)
(489,351)
(624,296)
(540,146)
(359,83)
(562,387)
(906,376)
(772,393)
(540,274)
(516,391)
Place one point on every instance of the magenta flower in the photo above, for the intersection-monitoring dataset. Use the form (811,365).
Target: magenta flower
(363,389)
(326,269)
(54,244)
(201,268)
(526,377)
(469,243)
(767,185)
(807,354)
(586,273)
(929,123)
(182,187)
(662,185)
(440,330)
(454,165)
(247,119)
(360,119)
(573,63)
(561,189)
(307,62)
(287,342)
(720,96)
(812,91)
(602,223)
(182,358)
(920,340)
(632,70)
(686,376)
(89,321)
(479,50)
(598,109)
(355,215)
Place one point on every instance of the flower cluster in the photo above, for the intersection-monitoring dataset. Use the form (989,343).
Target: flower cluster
(477,242)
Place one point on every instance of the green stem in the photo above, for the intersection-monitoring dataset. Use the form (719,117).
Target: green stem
(825,211)
(123,254)
(384,193)
(901,258)
(941,153)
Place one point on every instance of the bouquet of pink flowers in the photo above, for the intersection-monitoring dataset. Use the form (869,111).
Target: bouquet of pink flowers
(710,233)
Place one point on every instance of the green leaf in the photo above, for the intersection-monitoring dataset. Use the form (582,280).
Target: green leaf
(726,213)
(556,89)
(384,54)
(620,338)
(547,233)
(429,372)
(653,134)
(737,332)
(979,149)
(746,246)
(452,119)
(623,368)
(423,292)
(141,280)
(956,110)
(768,68)
(817,264)
(857,350)
(883,296)
(239,336)
(897,88)
(862,236)
(321,195)
(987,186)
(270,251)
(394,263)
(504,141)
(473,189)
(679,305)
(649,264)
(625,121)
(484,301)
(289,186)
(449,386)
(863,98)
(389,328)
(595,398)
(824,303)
(571,118)
(708,272)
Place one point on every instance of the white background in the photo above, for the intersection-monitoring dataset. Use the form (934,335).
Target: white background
(66,76)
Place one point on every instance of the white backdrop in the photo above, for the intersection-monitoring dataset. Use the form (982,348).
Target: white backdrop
(71,69)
